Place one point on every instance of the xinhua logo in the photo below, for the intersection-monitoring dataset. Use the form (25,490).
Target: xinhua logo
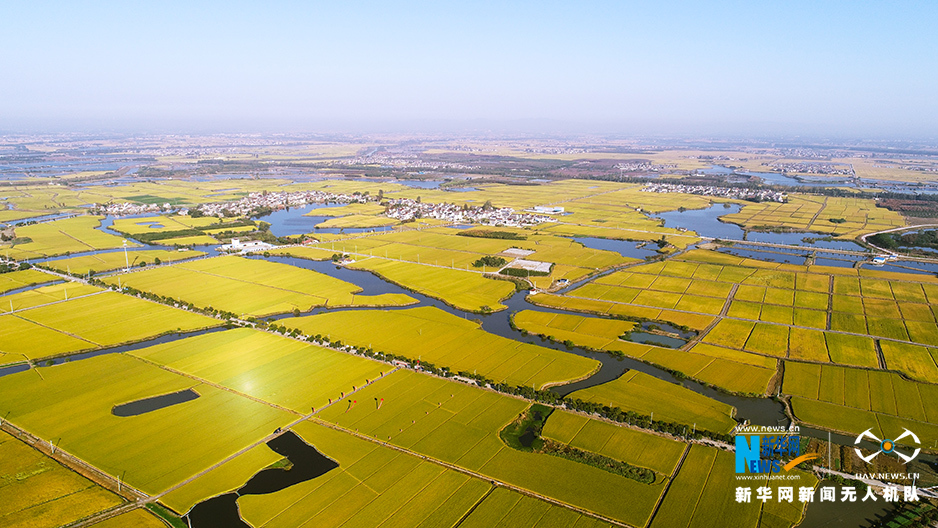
(888,446)
(765,454)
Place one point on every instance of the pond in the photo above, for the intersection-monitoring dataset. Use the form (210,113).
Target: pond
(639,250)
(307,463)
(146,405)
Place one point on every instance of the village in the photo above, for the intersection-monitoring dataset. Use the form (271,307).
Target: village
(762,195)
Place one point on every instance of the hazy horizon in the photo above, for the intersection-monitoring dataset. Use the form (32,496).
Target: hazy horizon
(732,69)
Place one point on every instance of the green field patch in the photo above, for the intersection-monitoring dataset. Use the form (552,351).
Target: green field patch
(891,328)
(816,301)
(847,304)
(843,322)
(781,297)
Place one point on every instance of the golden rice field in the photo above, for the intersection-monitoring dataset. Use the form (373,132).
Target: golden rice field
(38,492)
(20,279)
(700,493)
(116,260)
(373,485)
(71,403)
(156,224)
(645,394)
(250,286)
(638,448)
(590,332)
(462,289)
(96,320)
(460,425)
(434,336)
(59,237)
(814,213)
(443,247)
(850,399)
(279,370)
(798,312)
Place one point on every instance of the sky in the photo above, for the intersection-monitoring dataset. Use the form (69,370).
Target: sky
(851,69)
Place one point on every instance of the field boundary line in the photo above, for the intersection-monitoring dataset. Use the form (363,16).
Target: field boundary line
(54,302)
(481,476)
(841,332)
(474,507)
(664,493)
(57,330)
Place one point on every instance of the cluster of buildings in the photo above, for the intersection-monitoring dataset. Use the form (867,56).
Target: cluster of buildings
(403,161)
(762,195)
(407,209)
(813,168)
(127,209)
(643,166)
(243,207)
(278,200)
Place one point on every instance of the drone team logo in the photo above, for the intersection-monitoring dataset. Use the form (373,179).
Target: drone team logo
(888,446)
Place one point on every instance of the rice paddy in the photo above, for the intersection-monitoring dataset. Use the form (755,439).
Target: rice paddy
(852,400)
(431,335)
(57,326)
(20,279)
(373,485)
(250,286)
(38,492)
(116,260)
(289,373)
(688,503)
(753,317)
(71,404)
(60,237)
(645,394)
(814,213)
(454,411)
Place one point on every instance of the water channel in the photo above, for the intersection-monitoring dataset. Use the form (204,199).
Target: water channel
(760,411)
